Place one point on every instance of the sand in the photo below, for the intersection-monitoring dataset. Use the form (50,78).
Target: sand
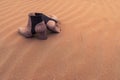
(88,48)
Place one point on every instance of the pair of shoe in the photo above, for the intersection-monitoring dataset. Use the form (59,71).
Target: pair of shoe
(38,23)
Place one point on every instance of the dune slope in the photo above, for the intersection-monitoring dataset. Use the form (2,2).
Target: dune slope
(88,48)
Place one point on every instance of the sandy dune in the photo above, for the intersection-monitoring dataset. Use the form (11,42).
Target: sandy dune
(88,48)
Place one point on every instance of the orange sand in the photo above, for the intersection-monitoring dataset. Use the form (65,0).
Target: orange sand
(88,48)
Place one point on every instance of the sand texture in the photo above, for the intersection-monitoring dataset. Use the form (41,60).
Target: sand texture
(88,48)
